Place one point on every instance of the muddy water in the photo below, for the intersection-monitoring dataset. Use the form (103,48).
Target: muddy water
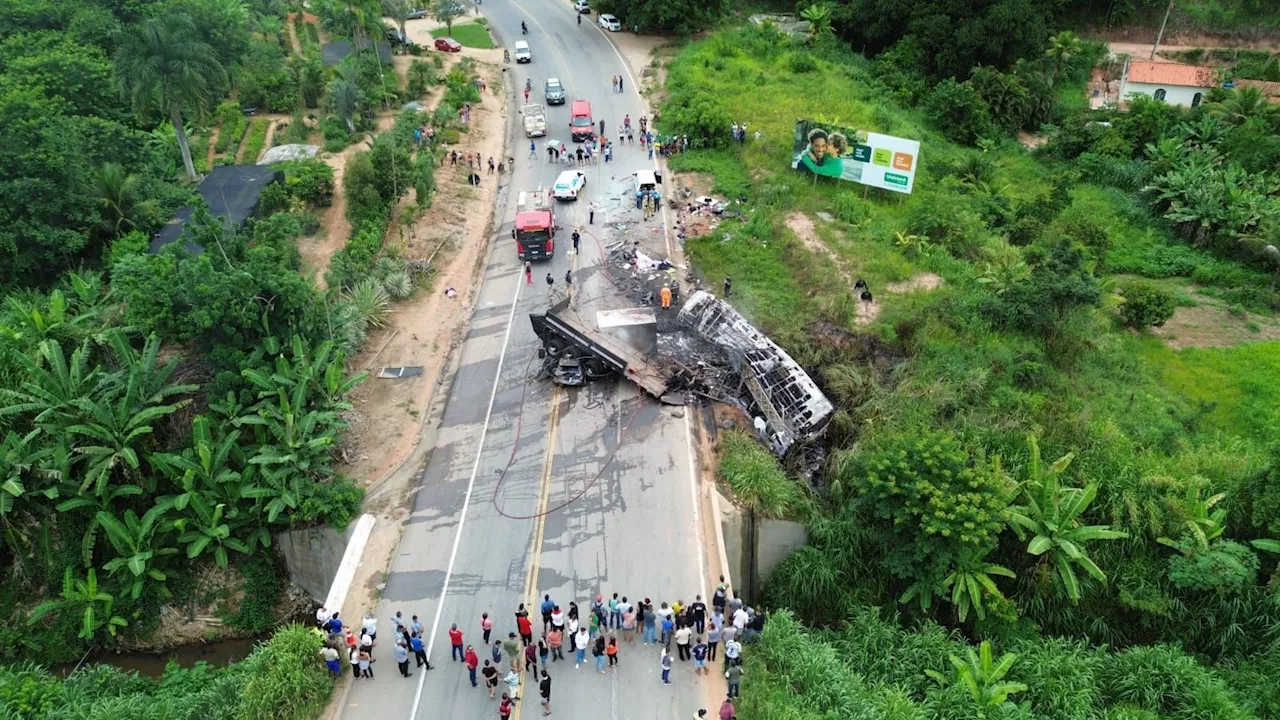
(223,652)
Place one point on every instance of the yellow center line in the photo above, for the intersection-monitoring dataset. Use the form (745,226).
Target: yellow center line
(539,531)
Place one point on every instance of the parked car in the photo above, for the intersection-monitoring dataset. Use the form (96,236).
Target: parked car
(610,23)
(582,6)
(395,37)
(554,91)
(523,53)
(448,44)
(569,184)
(417,14)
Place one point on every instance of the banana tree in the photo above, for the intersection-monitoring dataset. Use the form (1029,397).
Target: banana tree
(135,542)
(1202,521)
(983,677)
(51,387)
(971,585)
(96,504)
(206,527)
(1051,516)
(89,600)
(19,467)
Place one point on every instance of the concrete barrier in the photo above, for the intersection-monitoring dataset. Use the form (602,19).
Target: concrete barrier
(323,561)
(753,551)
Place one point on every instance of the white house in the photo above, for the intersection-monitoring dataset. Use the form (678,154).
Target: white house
(1174,83)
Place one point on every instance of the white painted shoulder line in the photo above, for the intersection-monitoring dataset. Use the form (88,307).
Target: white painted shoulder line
(350,561)
(466,503)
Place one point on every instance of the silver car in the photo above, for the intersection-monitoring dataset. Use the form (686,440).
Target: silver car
(554,91)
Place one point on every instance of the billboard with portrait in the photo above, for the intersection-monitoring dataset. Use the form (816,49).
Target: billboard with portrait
(881,161)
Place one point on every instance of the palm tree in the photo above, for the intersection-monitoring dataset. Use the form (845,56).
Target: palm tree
(1051,515)
(819,17)
(1202,522)
(983,676)
(1243,103)
(161,65)
(398,10)
(344,98)
(446,11)
(119,204)
(1062,47)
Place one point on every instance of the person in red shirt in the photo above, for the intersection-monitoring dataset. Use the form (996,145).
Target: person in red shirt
(473,662)
(455,639)
(526,629)
(505,707)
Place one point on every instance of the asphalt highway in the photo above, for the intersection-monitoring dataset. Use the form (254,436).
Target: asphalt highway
(531,489)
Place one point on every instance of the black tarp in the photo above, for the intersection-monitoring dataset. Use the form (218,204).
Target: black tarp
(332,53)
(232,193)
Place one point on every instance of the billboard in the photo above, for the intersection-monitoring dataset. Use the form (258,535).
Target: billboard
(881,161)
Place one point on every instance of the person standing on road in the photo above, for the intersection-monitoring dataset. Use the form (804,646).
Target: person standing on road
(581,639)
(533,150)
(629,625)
(601,127)
(554,639)
(665,664)
(473,661)
(496,652)
(650,621)
(597,651)
(732,653)
(573,627)
(513,685)
(353,656)
(612,652)
(486,623)
(700,657)
(698,611)
(455,639)
(544,689)
(665,294)
(511,646)
(505,707)
(551,286)
(490,674)
(543,651)
(615,614)
(568,282)
(402,659)
(728,633)
(531,658)
(366,665)
(557,618)
(713,639)
(727,711)
(683,637)
(331,660)
(734,675)
(548,605)
(528,279)
(419,652)
(525,626)
(415,627)
(619,83)
(576,238)
(591,213)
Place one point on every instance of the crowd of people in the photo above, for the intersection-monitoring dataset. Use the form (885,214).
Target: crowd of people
(567,633)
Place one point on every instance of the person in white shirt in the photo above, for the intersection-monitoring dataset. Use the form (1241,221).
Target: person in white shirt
(322,616)
(683,634)
(729,633)
(370,625)
(740,619)
(732,653)
(665,612)
(557,618)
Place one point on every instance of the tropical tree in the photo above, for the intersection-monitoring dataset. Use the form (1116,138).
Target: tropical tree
(1062,47)
(983,676)
(971,585)
(119,203)
(344,99)
(1243,104)
(818,16)
(398,10)
(163,66)
(1051,516)
(446,11)
(137,547)
(102,503)
(85,597)
(19,467)
(1201,518)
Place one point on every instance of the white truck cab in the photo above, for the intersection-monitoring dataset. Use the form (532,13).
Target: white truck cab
(522,53)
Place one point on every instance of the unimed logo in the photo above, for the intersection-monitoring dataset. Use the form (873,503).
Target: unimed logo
(895,179)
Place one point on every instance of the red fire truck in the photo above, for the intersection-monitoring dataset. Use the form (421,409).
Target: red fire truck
(535,230)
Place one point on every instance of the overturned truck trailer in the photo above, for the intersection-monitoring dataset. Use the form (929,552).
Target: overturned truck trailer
(793,406)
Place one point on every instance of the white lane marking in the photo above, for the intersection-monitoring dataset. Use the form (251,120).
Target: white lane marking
(471,483)
(697,514)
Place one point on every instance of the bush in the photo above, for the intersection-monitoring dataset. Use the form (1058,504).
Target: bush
(255,140)
(1146,304)
(284,678)
(755,478)
(959,112)
(422,75)
(802,61)
(335,503)
(309,180)
(701,116)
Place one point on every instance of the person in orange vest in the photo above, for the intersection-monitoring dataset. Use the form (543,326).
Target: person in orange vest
(665,294)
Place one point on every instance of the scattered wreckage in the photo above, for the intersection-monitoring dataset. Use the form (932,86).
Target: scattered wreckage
(710,350)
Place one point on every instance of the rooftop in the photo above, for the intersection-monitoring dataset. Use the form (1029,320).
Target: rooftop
(1165,73)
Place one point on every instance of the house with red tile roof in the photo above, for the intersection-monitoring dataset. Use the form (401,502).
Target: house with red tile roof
(1174,83)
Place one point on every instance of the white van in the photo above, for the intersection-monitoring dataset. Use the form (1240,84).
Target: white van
(523,55)
(647,181)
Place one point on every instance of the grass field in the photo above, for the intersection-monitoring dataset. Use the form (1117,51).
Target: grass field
(472,35)
(1238,386)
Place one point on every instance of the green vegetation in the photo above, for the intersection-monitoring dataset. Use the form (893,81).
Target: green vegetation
(472,35)
(1010,462)
(282,679)
(255,140)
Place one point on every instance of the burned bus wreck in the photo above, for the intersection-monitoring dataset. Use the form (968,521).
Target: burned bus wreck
(711,351)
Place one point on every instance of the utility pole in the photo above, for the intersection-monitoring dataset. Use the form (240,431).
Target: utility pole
(1161,33)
